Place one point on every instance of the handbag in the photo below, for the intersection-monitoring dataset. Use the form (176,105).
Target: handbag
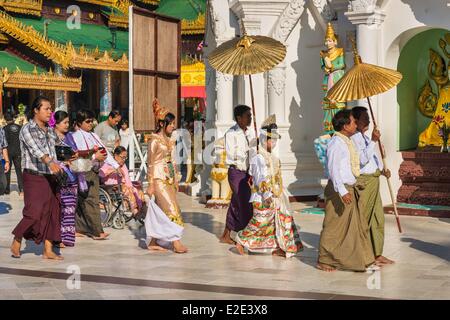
(64,153)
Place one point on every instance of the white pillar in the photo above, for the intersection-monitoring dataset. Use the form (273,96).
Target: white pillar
(224,102)
(368,18)
(276,85)
(105,94)
(60,96)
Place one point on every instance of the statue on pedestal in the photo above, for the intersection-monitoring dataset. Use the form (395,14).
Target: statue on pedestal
(332,62)
(221,191)
(436,106)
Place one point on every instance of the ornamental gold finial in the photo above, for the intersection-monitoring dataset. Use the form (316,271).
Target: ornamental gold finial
(330,34)
(245,42)
(356,56)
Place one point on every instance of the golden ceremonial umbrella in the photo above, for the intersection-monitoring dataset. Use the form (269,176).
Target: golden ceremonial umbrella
(362,81)
(247,55)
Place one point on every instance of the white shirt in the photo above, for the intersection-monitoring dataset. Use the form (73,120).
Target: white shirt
(87,140)
(240,147)
(125,137)
(339,165)
(368,159)
(260,172)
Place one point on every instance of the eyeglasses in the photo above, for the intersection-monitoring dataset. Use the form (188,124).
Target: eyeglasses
(89,121)
(123,158)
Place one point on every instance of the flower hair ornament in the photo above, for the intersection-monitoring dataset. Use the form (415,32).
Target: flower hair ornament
(52,121)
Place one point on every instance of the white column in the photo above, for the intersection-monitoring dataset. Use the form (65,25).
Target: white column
(276,85)
(368,18)
(105,94)
(60,96)
(224,102)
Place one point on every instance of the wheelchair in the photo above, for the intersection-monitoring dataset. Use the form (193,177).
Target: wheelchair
(115,208)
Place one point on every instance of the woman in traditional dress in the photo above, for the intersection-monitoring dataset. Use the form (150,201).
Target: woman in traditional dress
(115,173)
(68,192)
(92,153)
(272,228)
(332,63)
(163,221)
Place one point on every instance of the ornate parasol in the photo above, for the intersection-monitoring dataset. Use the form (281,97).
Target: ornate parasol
(248,55)
(362,81)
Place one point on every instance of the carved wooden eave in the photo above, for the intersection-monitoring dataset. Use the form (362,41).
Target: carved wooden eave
(119,20)
(39,81)
(3,38)
(92,61)
(30,7)
(152,2)
(34,40)
(66,55)
(196,26)
(99,2)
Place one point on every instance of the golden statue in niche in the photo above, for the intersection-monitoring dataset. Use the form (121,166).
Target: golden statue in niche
(432,105)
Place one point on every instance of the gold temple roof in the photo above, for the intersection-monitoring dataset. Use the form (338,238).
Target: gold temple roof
(40,81)
(31,7)
(66,54)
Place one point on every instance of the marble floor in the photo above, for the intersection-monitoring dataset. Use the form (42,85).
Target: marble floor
(120,268)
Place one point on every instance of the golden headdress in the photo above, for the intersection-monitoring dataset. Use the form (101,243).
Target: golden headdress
(159,111)
(330,34)
(268,123)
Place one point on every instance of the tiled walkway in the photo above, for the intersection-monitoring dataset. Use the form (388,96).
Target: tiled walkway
(120,268)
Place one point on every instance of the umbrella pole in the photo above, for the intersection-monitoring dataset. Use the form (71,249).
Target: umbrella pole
(383,156)
(254,112)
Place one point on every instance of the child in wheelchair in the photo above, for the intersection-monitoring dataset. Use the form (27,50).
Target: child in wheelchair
(115,173)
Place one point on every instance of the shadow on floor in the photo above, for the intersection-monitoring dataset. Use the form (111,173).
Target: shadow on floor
(437,250)
(32,247)
(138,231)
(205,222)
(309,255)
(201,220)
(5,208)
(37,249)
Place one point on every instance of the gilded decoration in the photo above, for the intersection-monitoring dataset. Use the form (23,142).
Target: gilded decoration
(196,26)
(40,81)
(120,20)
(193,74)
(434,100)
(3,38)
(99,2)
(153,2)
(65,55)
(30,7)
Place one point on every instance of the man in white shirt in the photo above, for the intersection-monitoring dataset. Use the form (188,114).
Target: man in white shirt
(107,131)
(240,145)
(344,240)
(369,198)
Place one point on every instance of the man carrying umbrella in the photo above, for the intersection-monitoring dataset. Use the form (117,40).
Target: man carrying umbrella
(344,241)
(239,146)
(371,167)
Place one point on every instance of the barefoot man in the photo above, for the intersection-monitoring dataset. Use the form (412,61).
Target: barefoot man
(369,198)
(344,241)
(239,145)
(41,213)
